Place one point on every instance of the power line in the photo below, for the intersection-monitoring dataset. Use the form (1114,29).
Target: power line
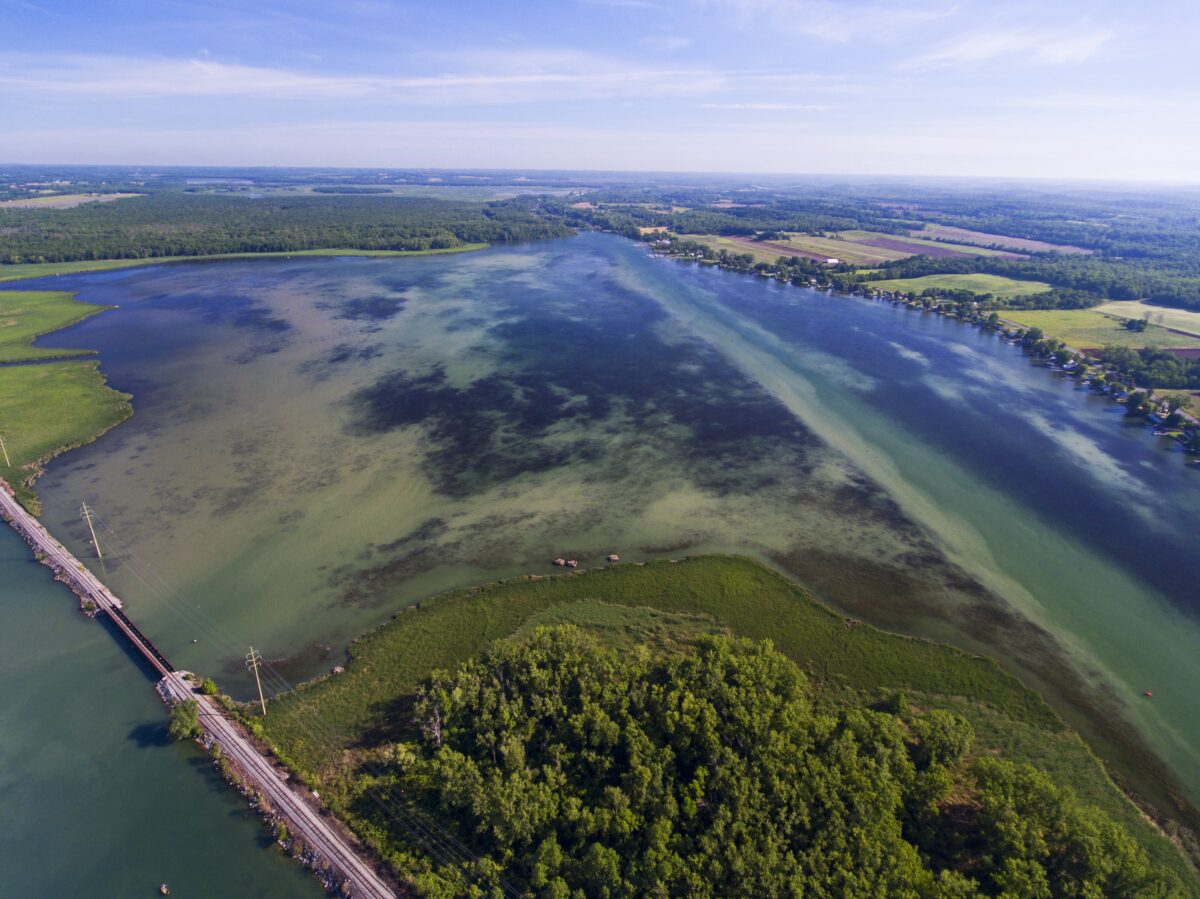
(431,837)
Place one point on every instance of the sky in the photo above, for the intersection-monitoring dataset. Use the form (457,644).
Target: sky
(1104,89)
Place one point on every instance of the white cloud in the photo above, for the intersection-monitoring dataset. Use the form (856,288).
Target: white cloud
(1040,47)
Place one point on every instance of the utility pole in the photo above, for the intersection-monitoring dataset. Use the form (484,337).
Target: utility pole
(85,513)
(253,660)
(4,449)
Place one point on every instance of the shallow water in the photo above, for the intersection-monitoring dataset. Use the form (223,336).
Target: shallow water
(318,442)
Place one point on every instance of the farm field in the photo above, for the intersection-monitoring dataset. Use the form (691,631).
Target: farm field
(983,239)
(62,201)
(912,246)
(1092,328)
(845,250)
(760,250)
(1175,319)
(820,248)
(997,285)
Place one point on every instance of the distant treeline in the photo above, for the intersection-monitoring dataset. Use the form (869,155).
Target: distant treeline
(173,223)
(1144,245)
(630,212)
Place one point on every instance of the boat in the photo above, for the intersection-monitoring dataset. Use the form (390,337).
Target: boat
(1149,693)
(164,889)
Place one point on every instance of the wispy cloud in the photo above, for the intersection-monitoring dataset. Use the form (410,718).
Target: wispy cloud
(1059,47)
(488,78)
(667,43)
(837,21)
(768,107)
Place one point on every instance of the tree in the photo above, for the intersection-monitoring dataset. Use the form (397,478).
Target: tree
(185,720)
(583,771)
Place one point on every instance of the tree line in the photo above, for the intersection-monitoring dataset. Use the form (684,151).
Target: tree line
(176,223)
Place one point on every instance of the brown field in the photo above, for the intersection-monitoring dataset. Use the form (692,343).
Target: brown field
(62,201)
(983,239)
(912,246)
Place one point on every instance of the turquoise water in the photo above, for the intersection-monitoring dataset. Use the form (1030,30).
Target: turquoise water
(96,801)
(319,442)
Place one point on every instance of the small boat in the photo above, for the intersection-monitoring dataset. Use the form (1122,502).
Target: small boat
(1148,693)
(164,889)
(572,563)
(613,557)
(560,562)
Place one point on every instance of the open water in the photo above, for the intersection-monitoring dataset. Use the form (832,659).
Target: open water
(319,442)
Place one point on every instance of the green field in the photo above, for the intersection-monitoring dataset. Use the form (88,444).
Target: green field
(998,286)
(1091,328)
(660,603)
(1175,319)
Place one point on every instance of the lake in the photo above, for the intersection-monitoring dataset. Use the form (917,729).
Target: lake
(319,442)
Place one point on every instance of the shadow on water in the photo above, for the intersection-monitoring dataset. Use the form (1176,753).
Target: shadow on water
(151,734)
(139,661)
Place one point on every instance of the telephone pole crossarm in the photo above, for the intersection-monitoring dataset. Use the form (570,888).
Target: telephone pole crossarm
(85,513)
(253,661)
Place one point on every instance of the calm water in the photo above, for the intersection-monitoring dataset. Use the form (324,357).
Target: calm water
(319,442)
(96,801)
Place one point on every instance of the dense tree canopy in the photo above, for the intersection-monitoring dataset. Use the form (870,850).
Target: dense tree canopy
(175,223)
(581,772)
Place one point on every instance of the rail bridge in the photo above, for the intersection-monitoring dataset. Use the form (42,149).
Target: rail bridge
(300,808)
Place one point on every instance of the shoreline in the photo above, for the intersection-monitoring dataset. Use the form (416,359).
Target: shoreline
(151,262)
(78,267)
(1188,434)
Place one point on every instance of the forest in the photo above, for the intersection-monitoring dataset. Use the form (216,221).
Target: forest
(572,769)
(177,223)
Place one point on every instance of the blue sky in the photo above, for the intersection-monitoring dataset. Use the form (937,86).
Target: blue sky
(1056,88)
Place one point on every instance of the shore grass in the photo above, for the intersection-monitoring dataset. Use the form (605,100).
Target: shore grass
(27,314)
(734,593)
(1091,328)
(28,270)
(47,409)
(663,603)
(1000,287)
